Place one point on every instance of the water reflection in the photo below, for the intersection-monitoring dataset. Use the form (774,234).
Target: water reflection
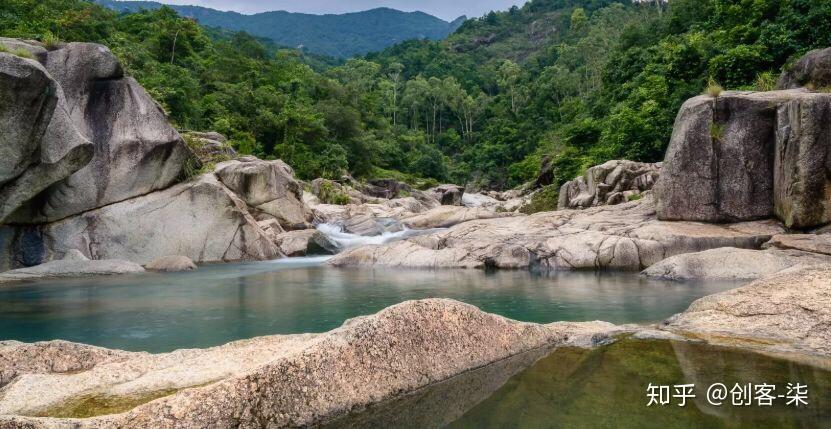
(221,303)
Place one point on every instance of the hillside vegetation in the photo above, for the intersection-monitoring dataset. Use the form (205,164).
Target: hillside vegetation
(339,36)
(576,81)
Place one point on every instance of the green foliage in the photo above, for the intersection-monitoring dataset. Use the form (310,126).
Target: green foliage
(544,200)
(329,194)
(22,53)
(713,88)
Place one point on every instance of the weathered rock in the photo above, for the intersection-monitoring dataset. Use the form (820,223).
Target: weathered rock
(732,264)
(448,195)
(331,192)
(70,268)
(613,182)
(306,242)
(202,220)
(39,145)
(802,176)
(269,188)
(447,216)
(52,357)
(479,200)
(813,70)
(137,151)
(814,243)
(171,264)
(267,381)
(209,147)
(787,311)
(625,236)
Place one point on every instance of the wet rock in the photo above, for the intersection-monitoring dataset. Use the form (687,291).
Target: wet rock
(813,70)
(304,243)
(296,380)
(448,195)
(269,188)
(731,264)
(70,268)
(613,182)
(787,311)
(625,236)
(171,264)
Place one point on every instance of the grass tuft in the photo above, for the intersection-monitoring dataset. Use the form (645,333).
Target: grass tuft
(713,88)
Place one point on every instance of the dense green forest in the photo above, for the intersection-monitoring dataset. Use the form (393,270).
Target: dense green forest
(576,81)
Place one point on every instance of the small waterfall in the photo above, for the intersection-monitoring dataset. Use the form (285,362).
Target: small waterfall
(345,240)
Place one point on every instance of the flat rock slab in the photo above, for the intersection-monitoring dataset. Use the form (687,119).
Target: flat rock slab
(625,236)
(787,311)
(71,268)
(815,243)
(294,380)
(729,263)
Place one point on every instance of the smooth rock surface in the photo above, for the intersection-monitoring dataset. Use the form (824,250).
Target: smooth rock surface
(787,311)
(448,195)
(296,380)
(171,264)
(70,268)
(304,243)
(729,263)
(625,236)
(447,216)
(814,243)
(613,182)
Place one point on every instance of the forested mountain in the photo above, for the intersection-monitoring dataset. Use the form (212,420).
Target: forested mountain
(576,81)
(339,36)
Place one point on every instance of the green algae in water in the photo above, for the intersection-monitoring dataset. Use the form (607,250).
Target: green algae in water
(100,405)
(606,388)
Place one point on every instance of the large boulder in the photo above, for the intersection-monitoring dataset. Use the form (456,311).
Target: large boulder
(305,243)
(749,155)
(293,380)
(39,144)
(269,188)
(812,70)
(729,263)
(202,220)
(787,311)
(448,195)
(613,182)
(136,150)
(625,236)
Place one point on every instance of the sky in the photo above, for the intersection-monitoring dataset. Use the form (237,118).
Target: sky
(444,9)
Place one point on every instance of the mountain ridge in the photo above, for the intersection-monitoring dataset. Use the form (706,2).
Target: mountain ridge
(335,35)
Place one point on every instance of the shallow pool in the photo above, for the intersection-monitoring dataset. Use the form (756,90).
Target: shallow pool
(221,303)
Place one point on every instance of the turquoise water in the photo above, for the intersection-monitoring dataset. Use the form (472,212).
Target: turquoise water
(221,303)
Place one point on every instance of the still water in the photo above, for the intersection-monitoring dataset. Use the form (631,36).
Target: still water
(221,303)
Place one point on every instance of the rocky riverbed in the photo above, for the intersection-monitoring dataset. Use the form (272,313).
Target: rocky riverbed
(95,181)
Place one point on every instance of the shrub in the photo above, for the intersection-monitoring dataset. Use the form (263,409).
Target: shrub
(544,200)
(329,194)
(766,81)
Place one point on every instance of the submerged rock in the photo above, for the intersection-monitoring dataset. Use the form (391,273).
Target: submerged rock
(625,236)
(70,268)
(787,311)
(171,264)
(732,264)
(296,380)
(614,182)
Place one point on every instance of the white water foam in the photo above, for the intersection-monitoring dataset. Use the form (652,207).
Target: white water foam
(346,240)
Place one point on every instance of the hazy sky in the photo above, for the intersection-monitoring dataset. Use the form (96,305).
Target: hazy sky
(445,9)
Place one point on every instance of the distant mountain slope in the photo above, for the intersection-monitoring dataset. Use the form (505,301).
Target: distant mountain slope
(340,36)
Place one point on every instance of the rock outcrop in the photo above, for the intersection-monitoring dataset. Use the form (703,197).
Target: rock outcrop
(625,236)
(136,150)
(448,195)
(787,311)
(812,70)
(732,264)
(296,380)
(814,243)
(613,182)
(750,155)
(209,147)
(70,268)
(305,243)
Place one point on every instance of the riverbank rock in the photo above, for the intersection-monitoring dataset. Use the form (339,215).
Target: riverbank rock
(625,236)
(136,149)
(750,155)
(448,195)
(294,380)
(70,268)
(613,182)
(305,243)
(787,311)
(171,264)
(269,188)
(732,264)
(447,216)
(814,243)
(39,145)
(813,70)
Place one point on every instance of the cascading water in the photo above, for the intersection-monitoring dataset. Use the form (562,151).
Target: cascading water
(345,240)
